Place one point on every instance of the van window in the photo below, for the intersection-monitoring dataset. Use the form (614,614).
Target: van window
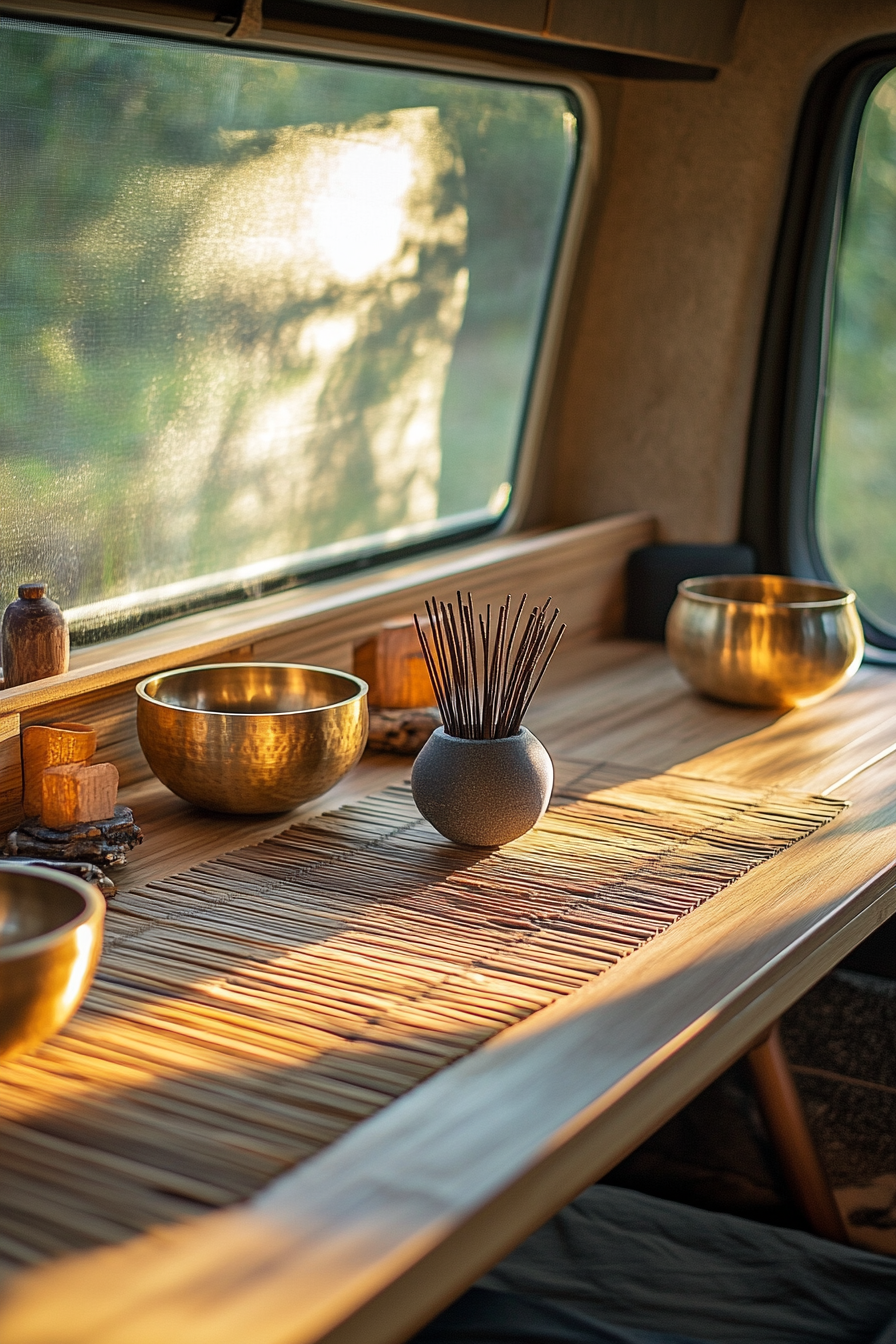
(855,499)
(263,314)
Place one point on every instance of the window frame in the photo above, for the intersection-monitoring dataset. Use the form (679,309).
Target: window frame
(779,511)
(286,38)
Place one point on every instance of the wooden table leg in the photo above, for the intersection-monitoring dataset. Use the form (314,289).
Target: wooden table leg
(794,1145)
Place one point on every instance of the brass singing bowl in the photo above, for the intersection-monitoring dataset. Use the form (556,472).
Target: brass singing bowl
(251,737)
(51,935)
(762,639)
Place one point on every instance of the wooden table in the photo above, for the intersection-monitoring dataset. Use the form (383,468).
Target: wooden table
(369,1238)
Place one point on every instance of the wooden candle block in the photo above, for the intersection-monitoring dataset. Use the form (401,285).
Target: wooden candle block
(393,666)
(76,793)
(43,747)
(34,640)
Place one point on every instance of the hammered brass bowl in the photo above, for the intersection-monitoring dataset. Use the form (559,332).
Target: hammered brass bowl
(763,639)
(251,737)
(51,935)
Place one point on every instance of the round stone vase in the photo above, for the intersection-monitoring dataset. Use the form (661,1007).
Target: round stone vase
(483,792)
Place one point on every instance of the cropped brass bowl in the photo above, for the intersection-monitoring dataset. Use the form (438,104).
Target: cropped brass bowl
(51,934)
(761,639)
(251,737)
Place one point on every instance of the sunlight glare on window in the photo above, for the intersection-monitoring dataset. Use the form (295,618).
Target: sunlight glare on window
(262,313)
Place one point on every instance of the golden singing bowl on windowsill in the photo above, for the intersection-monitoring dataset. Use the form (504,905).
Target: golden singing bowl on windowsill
(51,935)
(762,639)
(251,737)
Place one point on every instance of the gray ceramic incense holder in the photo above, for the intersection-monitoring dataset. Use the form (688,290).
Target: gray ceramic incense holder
(483,791)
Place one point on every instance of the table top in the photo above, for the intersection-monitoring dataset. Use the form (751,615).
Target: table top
(370,1237)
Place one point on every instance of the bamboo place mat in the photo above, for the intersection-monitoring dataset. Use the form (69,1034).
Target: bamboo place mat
(248,1012)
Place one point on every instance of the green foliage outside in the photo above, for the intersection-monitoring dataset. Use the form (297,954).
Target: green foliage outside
(856,501)
(111,152)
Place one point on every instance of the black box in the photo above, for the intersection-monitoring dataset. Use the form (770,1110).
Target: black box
(654,573)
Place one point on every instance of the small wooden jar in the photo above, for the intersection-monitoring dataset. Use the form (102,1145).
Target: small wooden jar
(34,637)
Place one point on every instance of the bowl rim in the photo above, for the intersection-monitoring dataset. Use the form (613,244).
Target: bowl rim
(840,596)
(143,694)
(94,905)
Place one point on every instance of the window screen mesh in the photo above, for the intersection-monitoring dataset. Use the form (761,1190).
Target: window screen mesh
(260,314)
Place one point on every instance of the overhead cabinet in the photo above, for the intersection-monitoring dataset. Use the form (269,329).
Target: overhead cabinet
(698,31)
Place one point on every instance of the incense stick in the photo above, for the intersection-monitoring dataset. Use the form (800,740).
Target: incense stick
(486,698)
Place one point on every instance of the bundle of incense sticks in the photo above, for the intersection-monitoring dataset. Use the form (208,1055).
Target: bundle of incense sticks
(484,677)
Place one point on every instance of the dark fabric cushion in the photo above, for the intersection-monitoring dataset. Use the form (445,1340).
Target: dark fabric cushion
(485,1316)
(617,1259)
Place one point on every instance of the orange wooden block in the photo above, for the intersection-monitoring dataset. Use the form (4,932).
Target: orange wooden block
(44,746)
(394,668)
(73,793)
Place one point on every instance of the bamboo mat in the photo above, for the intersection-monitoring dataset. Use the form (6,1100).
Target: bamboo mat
(251,1010)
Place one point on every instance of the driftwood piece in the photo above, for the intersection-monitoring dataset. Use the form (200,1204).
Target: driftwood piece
(75,793)
(403,731)
(45,746)
(78,868)
(392,664)
(34,639)
(105,843)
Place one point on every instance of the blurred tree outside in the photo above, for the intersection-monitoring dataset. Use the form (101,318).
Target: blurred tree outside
(256,305)
(856,493)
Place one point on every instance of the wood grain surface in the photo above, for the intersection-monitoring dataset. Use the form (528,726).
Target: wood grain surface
(10,772)
(248,1011)
(369,1238)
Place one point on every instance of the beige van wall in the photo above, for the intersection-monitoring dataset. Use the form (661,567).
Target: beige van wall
(653,400)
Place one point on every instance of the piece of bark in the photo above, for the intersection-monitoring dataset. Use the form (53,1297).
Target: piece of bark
(105,843)
(75,793)
(393,666)
(402,731)
(44,746)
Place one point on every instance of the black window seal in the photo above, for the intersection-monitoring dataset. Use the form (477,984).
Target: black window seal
(778,516)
